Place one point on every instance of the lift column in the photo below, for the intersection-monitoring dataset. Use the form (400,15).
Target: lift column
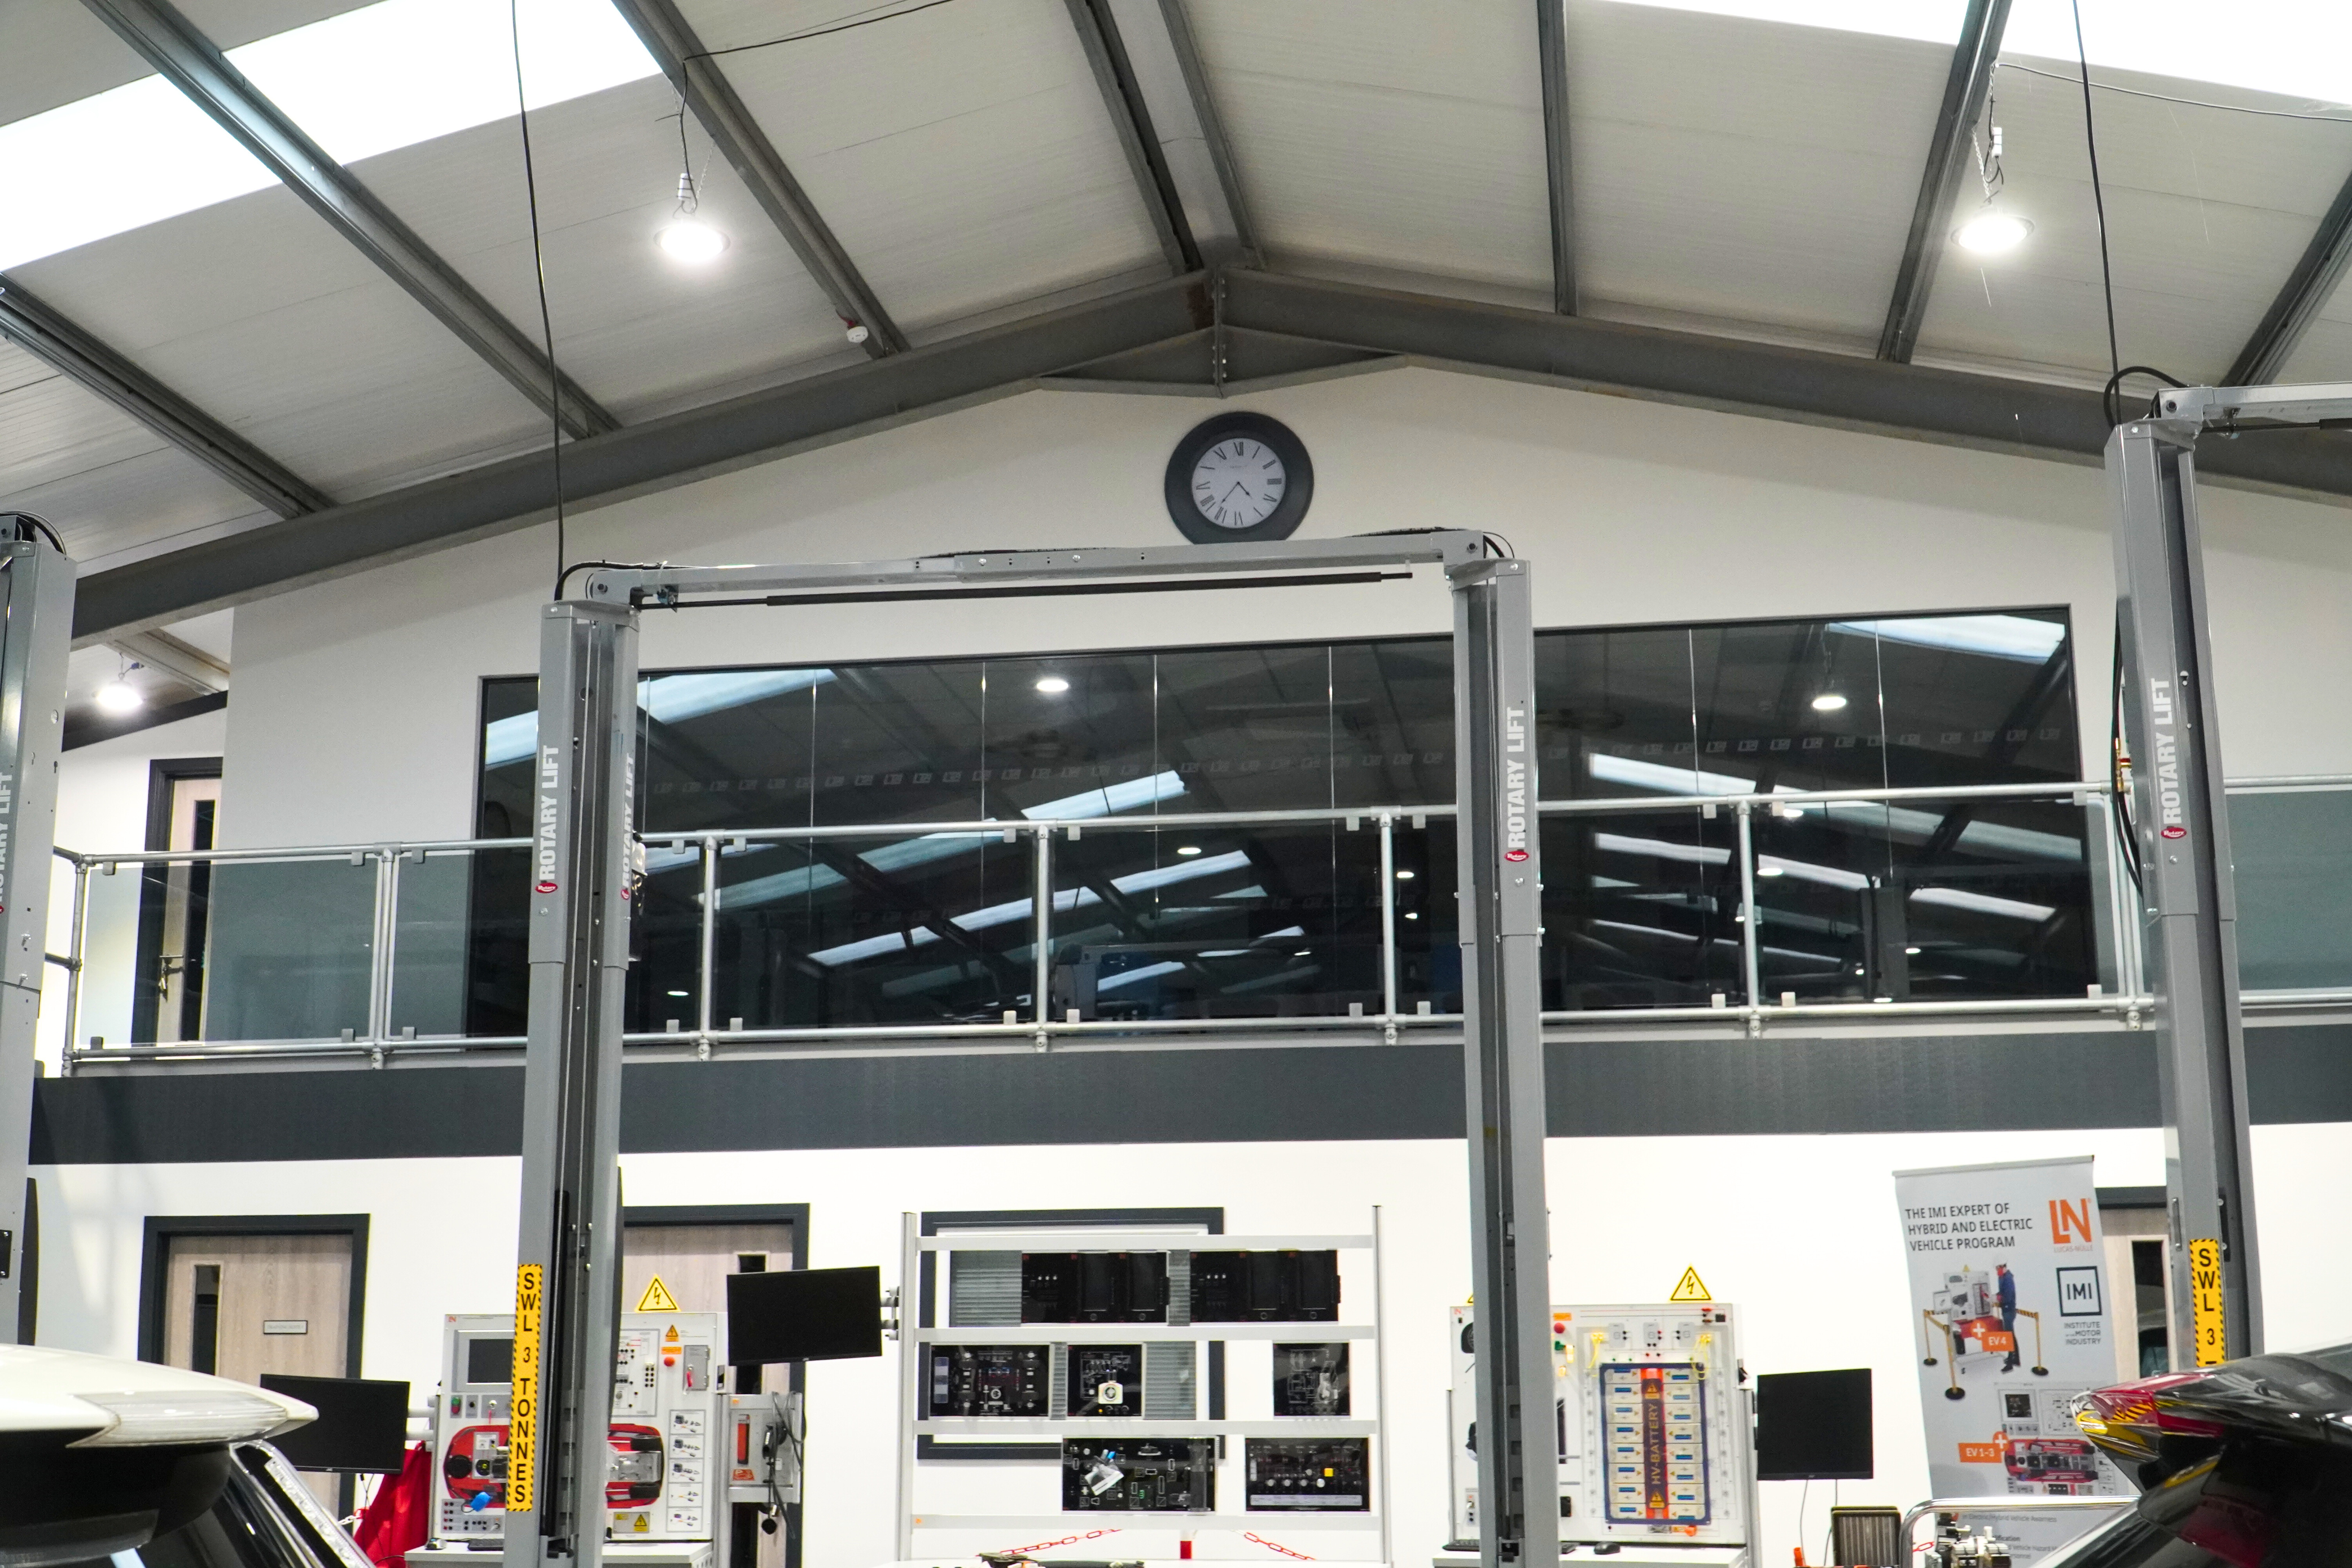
(37,587)
(2187,900)
(568,1282)
(1502,1001)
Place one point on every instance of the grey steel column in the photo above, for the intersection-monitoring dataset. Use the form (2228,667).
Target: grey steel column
(2187,906)
(37,587)
(1502,999)
(567,1297)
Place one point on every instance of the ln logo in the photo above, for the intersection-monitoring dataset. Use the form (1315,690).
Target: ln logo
(2070,1222)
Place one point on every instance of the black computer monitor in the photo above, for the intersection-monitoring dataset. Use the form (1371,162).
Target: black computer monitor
(362,1425)
(1813,1426)
(803,1314)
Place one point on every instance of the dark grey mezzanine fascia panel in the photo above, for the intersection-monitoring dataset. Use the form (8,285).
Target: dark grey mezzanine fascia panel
(1911,1083)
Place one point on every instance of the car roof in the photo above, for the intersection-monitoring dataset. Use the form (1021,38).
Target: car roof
(45,1390)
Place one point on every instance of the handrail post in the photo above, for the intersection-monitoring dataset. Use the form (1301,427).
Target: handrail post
(380,960)
(75,941)
(1749,966)
(1040,909)
(710,945)
(1387,925)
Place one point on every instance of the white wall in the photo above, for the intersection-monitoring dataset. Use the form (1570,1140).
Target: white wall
(357,699)
(1799,1231)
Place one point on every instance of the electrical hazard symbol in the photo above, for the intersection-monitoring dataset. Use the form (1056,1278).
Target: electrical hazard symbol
(1689,1287)
(656,1297)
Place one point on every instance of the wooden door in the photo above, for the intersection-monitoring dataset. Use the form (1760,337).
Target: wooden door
(694,1261)
(239,1306)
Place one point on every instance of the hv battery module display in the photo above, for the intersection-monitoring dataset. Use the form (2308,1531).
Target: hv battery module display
(1653,1412)
(1191,1385)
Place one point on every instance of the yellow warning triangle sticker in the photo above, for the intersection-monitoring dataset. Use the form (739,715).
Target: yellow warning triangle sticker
(658,1297)
(1689,1287)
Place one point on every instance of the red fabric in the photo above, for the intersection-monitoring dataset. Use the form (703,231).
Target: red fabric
(397,1519)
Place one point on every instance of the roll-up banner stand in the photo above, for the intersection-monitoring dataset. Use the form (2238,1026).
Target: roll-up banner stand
(2009,1325)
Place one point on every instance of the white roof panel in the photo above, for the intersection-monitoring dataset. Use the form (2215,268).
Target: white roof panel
(1748,170)
(962,155)
(1388,133)
(632,326)
(2206,210)
(261,315)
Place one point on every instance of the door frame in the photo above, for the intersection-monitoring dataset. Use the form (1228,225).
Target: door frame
(162,773)
(155,1256)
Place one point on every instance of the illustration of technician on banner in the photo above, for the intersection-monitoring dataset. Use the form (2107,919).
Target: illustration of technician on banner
(2009,1319)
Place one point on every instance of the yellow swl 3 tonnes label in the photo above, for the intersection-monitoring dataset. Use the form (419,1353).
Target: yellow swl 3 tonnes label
(2205,1302)
(522,1431)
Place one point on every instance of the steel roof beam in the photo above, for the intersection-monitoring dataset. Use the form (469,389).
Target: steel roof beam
(1950,152)
(1551,47)
(1115,76)
(73,353)
(193,63)
(1186,49)
(674,45)
(1842,390)
(2309,288)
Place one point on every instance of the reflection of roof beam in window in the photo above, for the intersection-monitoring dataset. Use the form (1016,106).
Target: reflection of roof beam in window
(1181,872)
(1108,800)
(2019,637)
(1659,776)
(1983,903)
(1267,982)
(674,698)
(1658,849)
(1806,871)
(1643,931)
(1129,977)
(1986,838)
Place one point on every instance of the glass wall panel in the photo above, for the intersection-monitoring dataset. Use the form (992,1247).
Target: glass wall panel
(1392,722)
(931,928)
(497,944)
(1974,699)
(1864,902)
(1075,737)
(666,944)
(2293,850)
(1786,705)
(727,748)
(292,943)
(110,957)
(1277,921)
(893,742)
(1428,921)
(1615,713)
(1248,729)
(1640,909)
(431,939)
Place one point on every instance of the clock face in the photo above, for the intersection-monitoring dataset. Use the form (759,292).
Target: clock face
(1238,482)
(1238,479)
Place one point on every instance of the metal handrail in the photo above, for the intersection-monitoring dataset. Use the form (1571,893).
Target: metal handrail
(1036,1024)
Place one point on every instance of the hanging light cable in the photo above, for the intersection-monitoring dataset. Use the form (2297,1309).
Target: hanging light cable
(686,238)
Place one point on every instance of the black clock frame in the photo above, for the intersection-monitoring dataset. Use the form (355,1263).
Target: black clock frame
(1298,479)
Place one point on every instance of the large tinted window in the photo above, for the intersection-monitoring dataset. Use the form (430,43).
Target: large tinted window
(1922,899)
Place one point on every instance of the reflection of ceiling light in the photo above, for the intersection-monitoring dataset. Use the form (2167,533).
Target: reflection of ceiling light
(1053,685)
(678,994)
(1828,703)
(1188,849)
(1404,876)
(1992,232)
(1769,871)
(119,697)
(1911,949)
(1302,953)
(692,241)
(1411,916)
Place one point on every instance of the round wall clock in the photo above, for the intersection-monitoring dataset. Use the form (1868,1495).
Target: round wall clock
(1239,478)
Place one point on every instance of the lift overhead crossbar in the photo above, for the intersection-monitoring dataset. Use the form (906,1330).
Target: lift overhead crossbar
(583,875)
